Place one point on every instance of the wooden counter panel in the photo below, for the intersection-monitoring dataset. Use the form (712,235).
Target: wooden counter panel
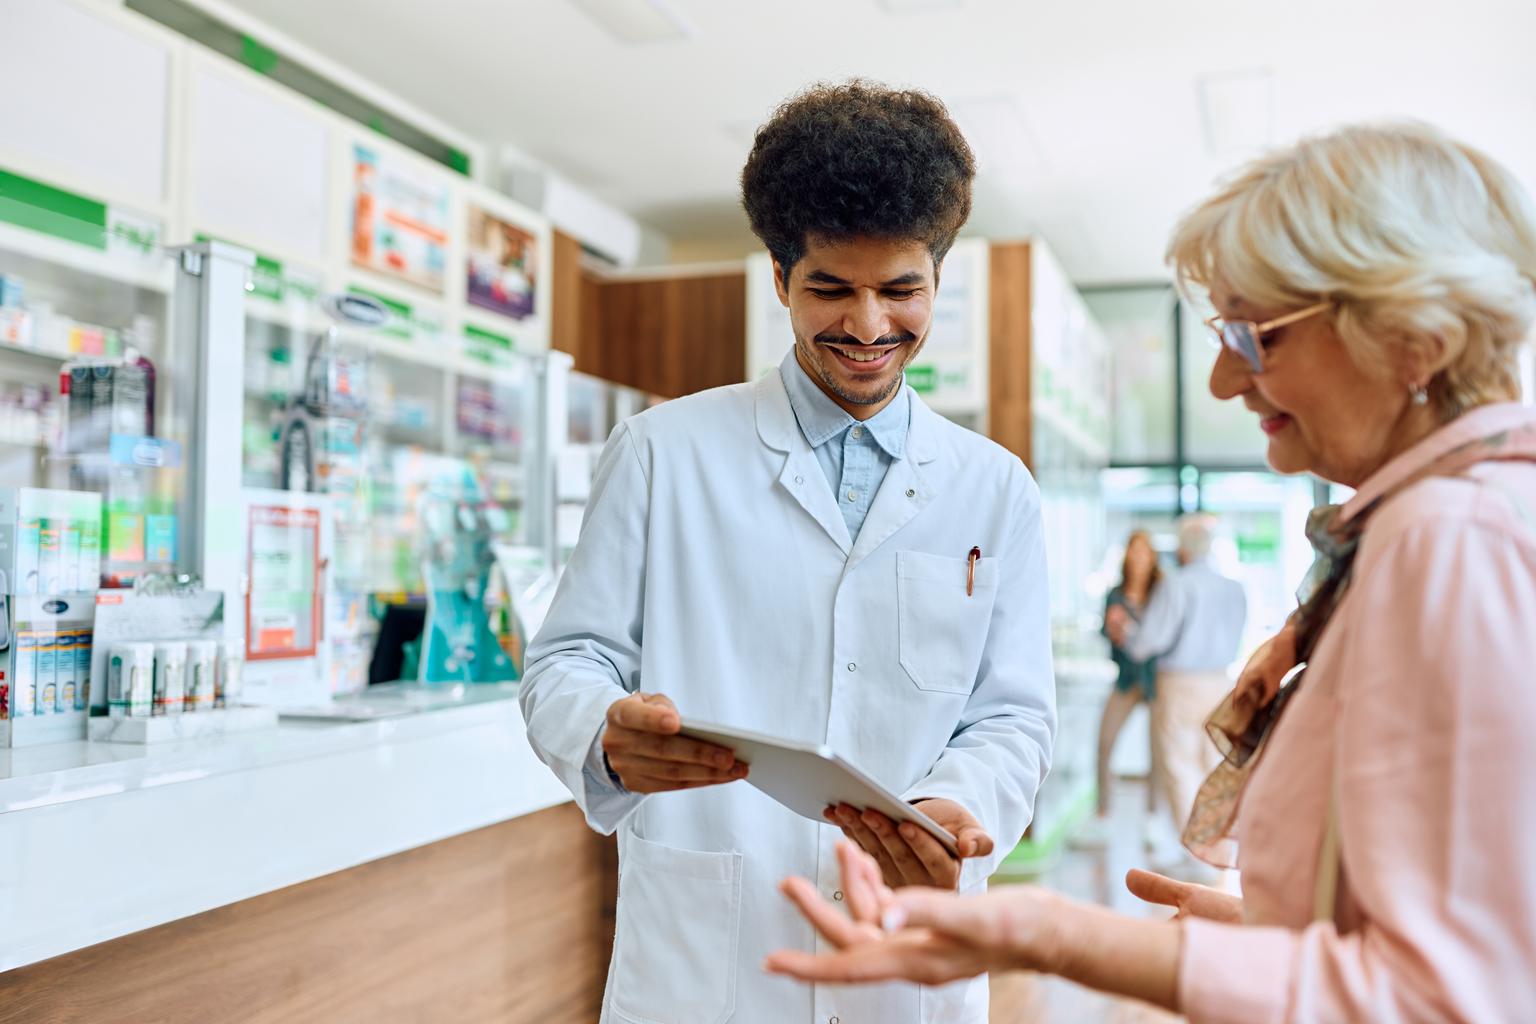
(510,923)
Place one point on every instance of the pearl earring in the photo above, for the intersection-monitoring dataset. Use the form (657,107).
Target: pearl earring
(1419,393)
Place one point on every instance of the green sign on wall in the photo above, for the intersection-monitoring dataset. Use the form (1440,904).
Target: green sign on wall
(52,211)
(923,379)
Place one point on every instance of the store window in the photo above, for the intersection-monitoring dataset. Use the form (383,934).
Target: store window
(1140,325)
(1263,541)
(1215,432)
(1210,457)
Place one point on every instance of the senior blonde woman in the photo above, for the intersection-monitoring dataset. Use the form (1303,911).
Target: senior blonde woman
(1372,288)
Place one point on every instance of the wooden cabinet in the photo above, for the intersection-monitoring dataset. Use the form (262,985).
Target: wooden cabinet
(510,924)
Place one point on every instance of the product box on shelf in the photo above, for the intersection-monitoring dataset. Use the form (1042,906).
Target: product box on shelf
(50,541)
(46,643)
(168,671)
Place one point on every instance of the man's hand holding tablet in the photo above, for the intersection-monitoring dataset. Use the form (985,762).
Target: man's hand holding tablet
(907,855)
(642,747)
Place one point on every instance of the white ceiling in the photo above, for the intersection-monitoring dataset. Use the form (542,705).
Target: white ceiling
(1105,93)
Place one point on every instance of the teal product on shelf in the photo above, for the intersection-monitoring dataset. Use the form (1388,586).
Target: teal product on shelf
(10,291)
(50,541)
(458,642)
(42,674)
(47,685)
(25,676)
(130,680)
(160,538)
(65,683)
(83,646)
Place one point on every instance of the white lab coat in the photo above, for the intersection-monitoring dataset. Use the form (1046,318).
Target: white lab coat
(715,567)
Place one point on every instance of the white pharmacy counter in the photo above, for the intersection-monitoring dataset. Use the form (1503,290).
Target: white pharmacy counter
(101,840)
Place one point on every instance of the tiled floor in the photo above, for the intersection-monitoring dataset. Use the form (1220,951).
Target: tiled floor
(1096,875)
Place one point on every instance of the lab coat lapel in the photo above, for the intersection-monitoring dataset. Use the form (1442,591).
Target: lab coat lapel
(906,490)
(801,475)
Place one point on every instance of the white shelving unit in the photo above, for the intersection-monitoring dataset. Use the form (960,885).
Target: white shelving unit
(152,139)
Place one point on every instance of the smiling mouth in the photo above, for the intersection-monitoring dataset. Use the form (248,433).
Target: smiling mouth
(864,358)
(1274,424)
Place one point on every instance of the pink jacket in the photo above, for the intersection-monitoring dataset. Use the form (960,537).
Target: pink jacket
(1421,697)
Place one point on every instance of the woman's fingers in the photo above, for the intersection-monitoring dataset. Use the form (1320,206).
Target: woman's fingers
(937,909)
(861,884)
(868,964)
(917,955)
(879,961)
(834,926)
(1155,888)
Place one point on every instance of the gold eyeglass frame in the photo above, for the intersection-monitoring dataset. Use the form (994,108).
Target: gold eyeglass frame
(1219,326)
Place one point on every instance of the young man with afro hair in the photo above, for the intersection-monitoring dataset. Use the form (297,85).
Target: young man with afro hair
(816,556)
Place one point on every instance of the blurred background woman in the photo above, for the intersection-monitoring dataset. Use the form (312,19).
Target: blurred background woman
(1136,681)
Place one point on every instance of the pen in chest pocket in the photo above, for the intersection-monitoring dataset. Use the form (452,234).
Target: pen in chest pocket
(970,571)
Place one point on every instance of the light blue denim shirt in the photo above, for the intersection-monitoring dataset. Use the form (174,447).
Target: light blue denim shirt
(1193,622)
(854,454)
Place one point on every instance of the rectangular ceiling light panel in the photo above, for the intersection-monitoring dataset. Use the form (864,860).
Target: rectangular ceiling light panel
(639,21)
(919,6)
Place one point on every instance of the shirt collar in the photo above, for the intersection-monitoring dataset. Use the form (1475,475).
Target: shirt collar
(1480,422)
(822,419)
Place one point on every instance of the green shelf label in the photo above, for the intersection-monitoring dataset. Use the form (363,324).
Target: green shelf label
(52,211)
(259,58)
(923,379)
(402,318)
(491,338)
(267,279)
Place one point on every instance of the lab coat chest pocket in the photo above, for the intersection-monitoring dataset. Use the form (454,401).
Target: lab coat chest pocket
(675,943)
(942,629)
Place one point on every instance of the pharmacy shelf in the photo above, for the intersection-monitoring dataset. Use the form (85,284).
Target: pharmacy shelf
(307,322)
(524,335)
(150,275)
(39,354)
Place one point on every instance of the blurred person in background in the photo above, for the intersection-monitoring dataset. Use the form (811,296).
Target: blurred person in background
(1374,288)
(1135,681)
(1191,629)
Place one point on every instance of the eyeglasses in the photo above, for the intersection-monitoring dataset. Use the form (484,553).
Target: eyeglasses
(1244,337)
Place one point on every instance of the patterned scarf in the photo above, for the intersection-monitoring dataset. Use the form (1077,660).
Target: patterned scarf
(1240,726)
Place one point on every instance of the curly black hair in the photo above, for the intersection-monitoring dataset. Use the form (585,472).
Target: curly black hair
(857,160)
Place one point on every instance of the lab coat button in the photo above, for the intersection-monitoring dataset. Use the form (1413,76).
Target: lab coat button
(838,896)
(911,493)
(853,667)
(799,479)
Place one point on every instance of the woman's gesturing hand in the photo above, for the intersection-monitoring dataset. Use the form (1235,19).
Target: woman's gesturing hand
(930,936)
(1186,898)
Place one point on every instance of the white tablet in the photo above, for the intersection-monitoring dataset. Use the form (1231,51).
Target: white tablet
(808,778)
